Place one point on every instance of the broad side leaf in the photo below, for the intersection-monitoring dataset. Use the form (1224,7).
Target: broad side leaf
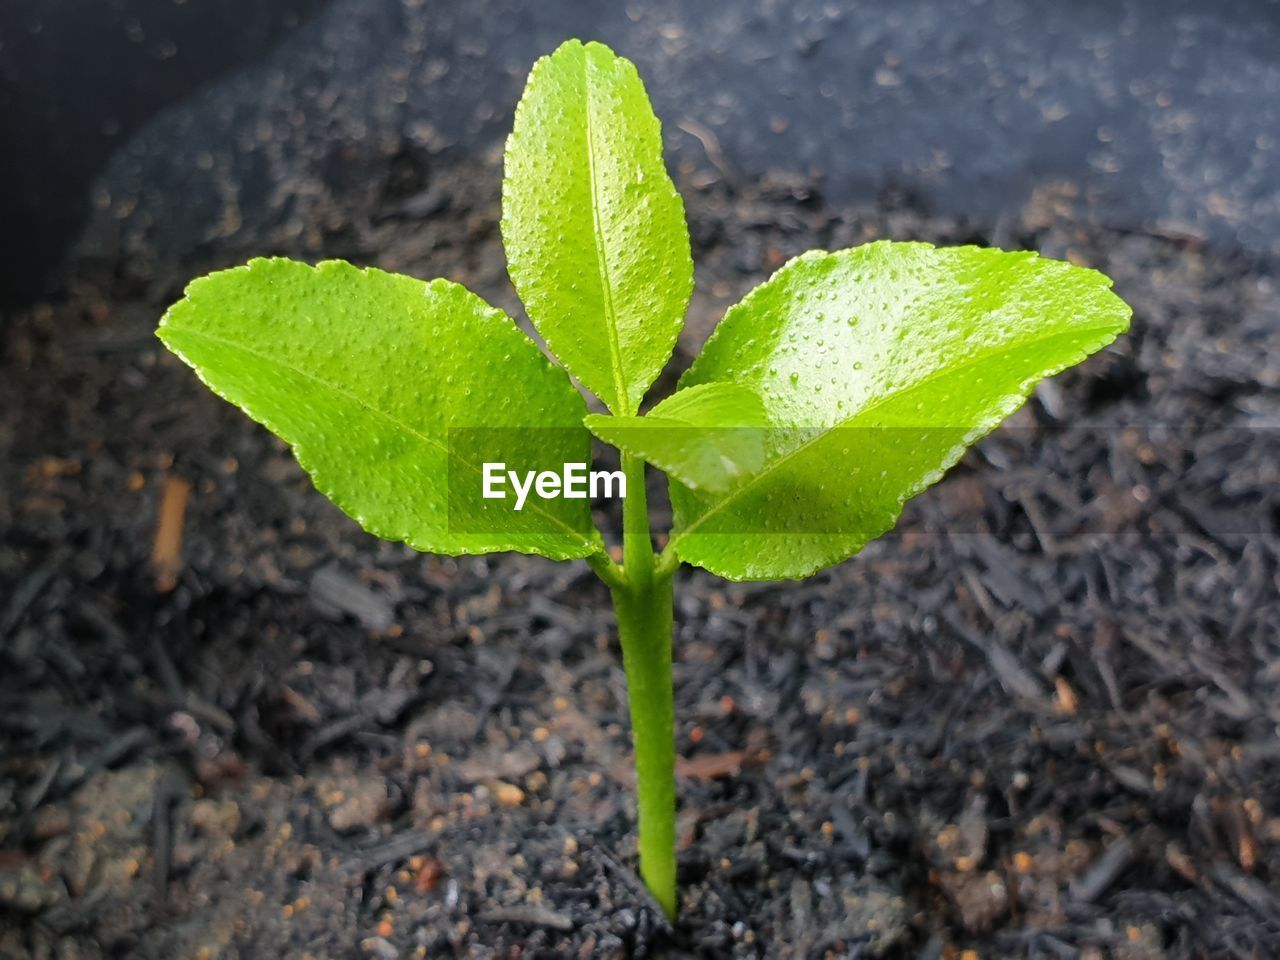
(877,367)
(708,437)
(365,374)
(594,229)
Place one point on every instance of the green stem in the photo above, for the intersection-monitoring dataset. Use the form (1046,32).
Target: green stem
(644,626)
(643,606)
(637,544)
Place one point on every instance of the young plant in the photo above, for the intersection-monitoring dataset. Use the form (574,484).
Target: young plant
(836,390)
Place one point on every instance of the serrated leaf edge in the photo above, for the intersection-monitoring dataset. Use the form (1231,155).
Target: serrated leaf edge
(1012,402)
(590,546)
(627,404)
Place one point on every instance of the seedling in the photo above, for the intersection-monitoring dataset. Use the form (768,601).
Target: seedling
(836,390)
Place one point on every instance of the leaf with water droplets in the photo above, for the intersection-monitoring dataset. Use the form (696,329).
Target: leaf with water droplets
(877,367)
(593,227)
(371,376)
(709,437)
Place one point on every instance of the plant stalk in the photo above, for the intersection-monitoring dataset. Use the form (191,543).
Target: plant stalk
(644,626)
(643,606)
(637,543)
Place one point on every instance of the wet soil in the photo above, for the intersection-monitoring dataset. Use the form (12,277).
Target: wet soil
(1038,720)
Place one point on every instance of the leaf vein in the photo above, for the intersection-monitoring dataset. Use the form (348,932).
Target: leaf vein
(358,401)
(623,399)
(931,378)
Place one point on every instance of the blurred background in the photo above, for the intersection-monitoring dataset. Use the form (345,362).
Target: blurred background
(1039,719)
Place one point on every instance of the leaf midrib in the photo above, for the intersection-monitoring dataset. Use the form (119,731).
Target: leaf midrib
(621,397)
(870,408)
(359,401)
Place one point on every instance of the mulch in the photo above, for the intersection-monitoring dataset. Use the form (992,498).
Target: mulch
(1039,719)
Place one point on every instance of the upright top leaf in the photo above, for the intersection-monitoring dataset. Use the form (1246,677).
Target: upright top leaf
(594,229)
(877,366)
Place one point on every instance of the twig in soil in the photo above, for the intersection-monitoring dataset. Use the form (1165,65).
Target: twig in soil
(711,766)
(1239,705)
(1103,650)
(166,671)
(334,591)
(1013,676)
(378,706)
(1103,873)
(1004,579)
(857,841)
(169,791)
(529,916)
(79,913)
(166,548)
(1250,891)
(1035,516)
(40,789)
(23,596)
(393,851)
(1254,592)
(711,144)
(493,694)
(633,883)
(107,756)
(330,733)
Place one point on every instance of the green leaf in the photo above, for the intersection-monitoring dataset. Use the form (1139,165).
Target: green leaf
(708,437)
(877,367)
(594,229)
(366,374)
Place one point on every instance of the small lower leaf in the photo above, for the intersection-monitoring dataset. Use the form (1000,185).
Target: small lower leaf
(708,437)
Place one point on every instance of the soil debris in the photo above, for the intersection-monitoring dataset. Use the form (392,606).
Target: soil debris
(1037,720)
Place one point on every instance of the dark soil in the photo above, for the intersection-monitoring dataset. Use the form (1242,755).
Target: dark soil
(1039,720)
